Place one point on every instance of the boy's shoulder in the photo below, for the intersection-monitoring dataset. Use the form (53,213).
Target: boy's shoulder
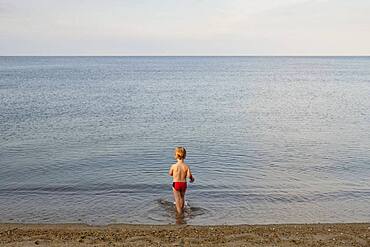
(176,165)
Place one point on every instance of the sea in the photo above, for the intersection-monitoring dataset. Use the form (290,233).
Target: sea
(268,139)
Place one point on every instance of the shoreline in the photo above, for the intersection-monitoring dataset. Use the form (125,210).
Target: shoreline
(75,234)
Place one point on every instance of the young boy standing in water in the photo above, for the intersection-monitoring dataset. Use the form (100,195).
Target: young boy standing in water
(180,171)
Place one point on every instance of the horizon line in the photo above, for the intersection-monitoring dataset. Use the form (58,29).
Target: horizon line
(185,55)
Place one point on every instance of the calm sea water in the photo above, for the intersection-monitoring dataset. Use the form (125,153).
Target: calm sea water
(269,139)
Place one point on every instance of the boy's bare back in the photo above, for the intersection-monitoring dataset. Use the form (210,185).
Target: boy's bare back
(180,171)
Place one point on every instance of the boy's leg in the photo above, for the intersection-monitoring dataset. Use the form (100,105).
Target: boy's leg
(177,196)
(182,194)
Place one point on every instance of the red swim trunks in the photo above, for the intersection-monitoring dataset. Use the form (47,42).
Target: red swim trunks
(179,186)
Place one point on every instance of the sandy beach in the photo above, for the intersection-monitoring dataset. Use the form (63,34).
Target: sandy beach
(356,234)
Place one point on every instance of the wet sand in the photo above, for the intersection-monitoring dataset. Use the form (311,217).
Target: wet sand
(355,234)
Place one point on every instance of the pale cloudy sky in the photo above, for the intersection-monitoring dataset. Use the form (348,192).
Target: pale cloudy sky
(184,27)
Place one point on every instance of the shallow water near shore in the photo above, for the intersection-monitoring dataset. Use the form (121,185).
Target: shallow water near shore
(269,139)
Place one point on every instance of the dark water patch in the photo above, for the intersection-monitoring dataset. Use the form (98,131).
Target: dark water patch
(165,211)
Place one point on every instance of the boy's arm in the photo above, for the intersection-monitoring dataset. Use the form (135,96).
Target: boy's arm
(190,175)
(170,172)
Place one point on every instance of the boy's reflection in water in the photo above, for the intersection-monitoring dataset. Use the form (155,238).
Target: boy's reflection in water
(180,219)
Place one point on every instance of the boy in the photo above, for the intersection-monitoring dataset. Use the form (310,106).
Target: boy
(180,171)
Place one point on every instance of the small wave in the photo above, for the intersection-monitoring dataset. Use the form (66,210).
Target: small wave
(237,197)
(210,194)
(86,188)
(97,189)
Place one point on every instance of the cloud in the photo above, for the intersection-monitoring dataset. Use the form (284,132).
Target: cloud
(5,8)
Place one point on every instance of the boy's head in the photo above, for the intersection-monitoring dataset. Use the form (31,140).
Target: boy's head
(180,153)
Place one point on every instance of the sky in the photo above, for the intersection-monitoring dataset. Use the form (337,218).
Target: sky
(185,27)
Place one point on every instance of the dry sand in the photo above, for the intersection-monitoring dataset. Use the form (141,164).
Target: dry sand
(185,235)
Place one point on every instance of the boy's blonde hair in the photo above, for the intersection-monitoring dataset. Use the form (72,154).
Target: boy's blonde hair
(180,153)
